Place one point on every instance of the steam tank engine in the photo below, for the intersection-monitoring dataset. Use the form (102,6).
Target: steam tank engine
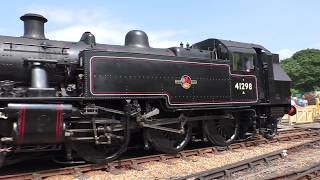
(90,99)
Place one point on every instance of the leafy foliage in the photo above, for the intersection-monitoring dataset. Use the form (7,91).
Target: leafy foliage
(304,70)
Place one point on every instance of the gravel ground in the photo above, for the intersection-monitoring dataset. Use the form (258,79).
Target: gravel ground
(179,167)
(293,162)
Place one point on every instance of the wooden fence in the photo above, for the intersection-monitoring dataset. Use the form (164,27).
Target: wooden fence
(304,115)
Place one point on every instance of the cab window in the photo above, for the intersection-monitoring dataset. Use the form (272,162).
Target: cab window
(242,62)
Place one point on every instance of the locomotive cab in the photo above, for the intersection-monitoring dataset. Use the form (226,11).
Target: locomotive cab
(273,83)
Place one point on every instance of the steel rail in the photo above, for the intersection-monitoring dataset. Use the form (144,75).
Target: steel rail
(226,171)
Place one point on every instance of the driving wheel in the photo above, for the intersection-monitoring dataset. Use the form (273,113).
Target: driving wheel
(221,132)
(169,142)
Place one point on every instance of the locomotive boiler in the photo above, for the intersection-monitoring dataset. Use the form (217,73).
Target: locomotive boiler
(91,100)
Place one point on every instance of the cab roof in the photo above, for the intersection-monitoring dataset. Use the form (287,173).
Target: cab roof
(232,46)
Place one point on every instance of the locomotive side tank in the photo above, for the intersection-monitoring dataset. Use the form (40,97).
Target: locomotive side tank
(91,100)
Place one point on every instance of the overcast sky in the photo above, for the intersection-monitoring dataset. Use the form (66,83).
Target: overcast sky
(282,26)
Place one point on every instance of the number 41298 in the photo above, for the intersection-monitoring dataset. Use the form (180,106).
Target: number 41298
(243,86)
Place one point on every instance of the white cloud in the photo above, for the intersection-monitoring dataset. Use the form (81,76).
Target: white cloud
(101,32)
(65,16)
(285,53)
(69,24)
(165,38)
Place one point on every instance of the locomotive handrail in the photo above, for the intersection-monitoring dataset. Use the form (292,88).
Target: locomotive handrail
(36,45)
(43,45)
(51,61)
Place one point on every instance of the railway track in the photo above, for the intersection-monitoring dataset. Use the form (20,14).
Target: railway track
(134,163)
(309,172)
(226,172)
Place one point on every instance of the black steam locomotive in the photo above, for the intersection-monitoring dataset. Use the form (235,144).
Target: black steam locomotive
(90,99)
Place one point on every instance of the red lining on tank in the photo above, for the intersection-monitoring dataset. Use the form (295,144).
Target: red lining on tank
(22,119)
(93,84)
(58,121)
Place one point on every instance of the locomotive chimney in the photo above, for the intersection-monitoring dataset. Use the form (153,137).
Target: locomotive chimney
(33,26)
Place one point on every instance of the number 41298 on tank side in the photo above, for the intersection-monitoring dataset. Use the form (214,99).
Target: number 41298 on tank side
(92,100)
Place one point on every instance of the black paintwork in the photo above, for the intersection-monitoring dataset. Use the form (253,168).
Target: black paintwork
(273,82)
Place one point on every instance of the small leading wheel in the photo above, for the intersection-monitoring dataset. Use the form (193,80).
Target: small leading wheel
(221,132)
(169,142)
(272,128)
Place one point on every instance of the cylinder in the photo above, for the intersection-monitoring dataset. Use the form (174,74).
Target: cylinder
(39,123)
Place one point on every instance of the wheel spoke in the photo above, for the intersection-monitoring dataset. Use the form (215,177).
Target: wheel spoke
(168,142)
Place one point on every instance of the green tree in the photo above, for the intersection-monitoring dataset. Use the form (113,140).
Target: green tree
(304,69)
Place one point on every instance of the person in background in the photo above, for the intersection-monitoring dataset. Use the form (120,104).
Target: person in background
(304,101)
(293,101)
